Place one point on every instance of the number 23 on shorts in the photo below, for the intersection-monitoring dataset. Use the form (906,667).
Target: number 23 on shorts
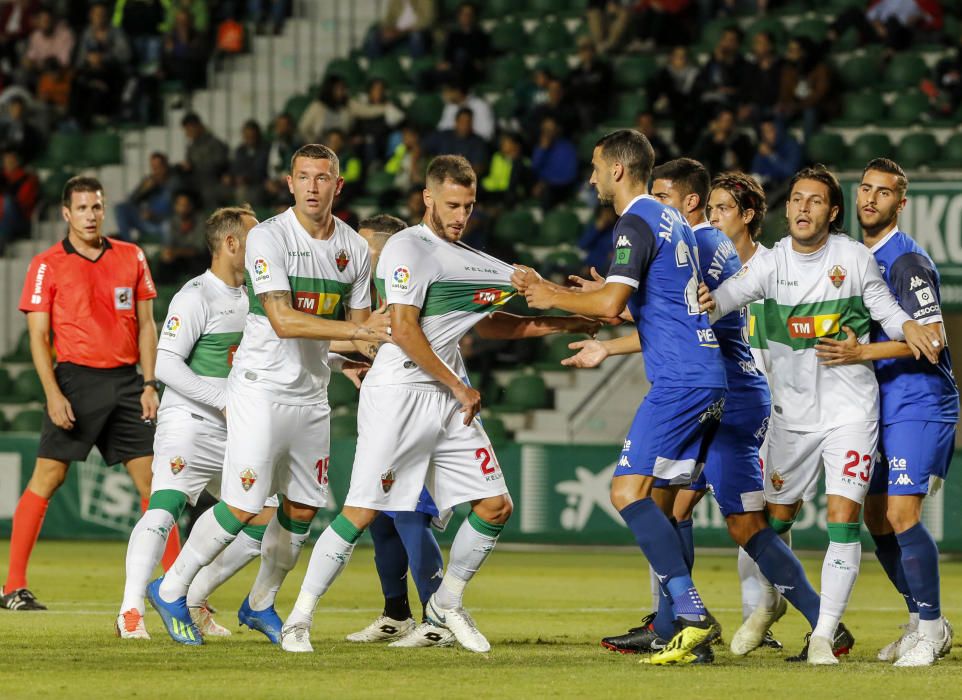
(852,462)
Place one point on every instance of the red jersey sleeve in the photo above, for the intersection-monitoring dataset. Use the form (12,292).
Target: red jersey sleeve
(39,287)
(145,283)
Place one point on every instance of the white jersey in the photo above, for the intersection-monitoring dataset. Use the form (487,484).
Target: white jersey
(756,321)
(204,325)
(324,277)
(806,297)
(454,285)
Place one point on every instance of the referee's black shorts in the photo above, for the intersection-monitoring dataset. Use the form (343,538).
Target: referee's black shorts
(106,405)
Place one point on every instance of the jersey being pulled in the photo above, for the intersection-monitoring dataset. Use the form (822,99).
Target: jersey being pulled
(204,325)
(718,260)
(454,285)
(913,389)
(324,277)
(656,253)
(807,297)
(756,323)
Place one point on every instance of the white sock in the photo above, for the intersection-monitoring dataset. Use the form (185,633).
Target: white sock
(279,554)
(931,629)
(839,571)
(206,541)
(748,574)
(330,556)
(144,551)
(468,552)
(238,554)
(786,537)
(914,620)
(655,589)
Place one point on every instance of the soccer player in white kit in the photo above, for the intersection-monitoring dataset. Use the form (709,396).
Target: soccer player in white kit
(202,330)
(306,268)
(813,282)
(417,419)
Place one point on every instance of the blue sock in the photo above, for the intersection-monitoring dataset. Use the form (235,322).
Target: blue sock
(664,622)
(424,554)
(784,571)
(659,541)
(920,561)
(687,535)
(890,557)
(391,562)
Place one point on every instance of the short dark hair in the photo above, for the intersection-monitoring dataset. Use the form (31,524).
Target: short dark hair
(382,223)
(79,183)
(748,194)
(224,221)
(687,174)
(820,173)
(462,111)
(316,151)
(887,165)
(457,169)
(191,119)
(736,29)
(630,148)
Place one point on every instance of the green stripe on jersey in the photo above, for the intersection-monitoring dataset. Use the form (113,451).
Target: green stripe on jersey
(799,327)
(448,297)
(213,354)
(318,297)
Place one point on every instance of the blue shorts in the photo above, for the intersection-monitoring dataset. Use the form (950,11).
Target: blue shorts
(670,435)
(425,505)
(911,453)
(733,471)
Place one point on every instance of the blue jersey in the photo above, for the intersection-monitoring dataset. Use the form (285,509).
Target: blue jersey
(911,389)
(656,254)
(718,260)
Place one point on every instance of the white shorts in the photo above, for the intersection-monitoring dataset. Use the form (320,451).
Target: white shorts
(795,460)
(411,436)
(275,448)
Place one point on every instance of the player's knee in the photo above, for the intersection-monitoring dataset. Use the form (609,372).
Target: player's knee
(47,477)
(903,514)
(743,526)
(843,510)
(876,515)
(494,510)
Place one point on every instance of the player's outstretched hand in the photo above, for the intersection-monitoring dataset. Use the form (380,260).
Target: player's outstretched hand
(149,403)
(376,327)
(470,400)
(831,352)
(524,276)
(61,412)
(705,300)
(581,284)
(591,353)
(355,371)
(923,340)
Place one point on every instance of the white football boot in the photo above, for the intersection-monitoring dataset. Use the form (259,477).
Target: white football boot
(383,629)
(461,625)
(204,620)
(820,651)
(130,625)
(425,635)
(751,634)
(893,651)
(296,638)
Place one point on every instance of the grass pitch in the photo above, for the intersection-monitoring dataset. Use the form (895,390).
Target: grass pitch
(544,613)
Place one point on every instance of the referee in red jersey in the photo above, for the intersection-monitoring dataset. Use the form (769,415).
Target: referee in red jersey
(95,294)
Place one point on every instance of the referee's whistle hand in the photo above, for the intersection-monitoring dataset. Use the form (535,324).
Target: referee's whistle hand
(61,412)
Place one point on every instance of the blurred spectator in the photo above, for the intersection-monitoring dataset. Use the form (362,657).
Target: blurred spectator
(96,86)
(721,78)
(230,39)
(554,165)
(207,159)
(16,23)
(533,92)
(17,133)
(948,81)
(149,207)
(248,167)
(262,11)
(607,22)
(110,40)
(778,155)
(184,55)
(556,106)
(142,22)
(722,146)
(53,88)
(408,162)
(21,190)
(374,116)
(328,110)
(404,21)
(282,147)
(351,170)
(50,39)
(414,205)
(467,48)
(456,97)
(664,22)
(184,253)
(762,79)
(509,174)
(672,91)
(596,240)
(806,86)
(645,123)
(589,85)
(889,22)
(197,10)
(461,140)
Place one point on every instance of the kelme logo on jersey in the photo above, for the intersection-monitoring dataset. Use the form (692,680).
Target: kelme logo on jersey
(262,271)
(177,465)
(837,275)
(317,303)
(491,297)
(248,477)
(172,326)
(400,278)
(387,480)
(813,326)
(341,260)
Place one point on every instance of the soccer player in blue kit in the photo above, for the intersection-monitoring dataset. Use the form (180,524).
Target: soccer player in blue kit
(655,274)
(919,412)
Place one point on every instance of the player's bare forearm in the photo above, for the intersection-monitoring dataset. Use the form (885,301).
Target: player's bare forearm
(505,326)
(607,302)
(623,345)
(407,334)
(38,329)
(890,349)
(287,322)
(147,338)
(365,347)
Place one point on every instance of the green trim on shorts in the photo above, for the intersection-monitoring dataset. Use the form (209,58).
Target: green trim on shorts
(298,527)
(844,533)
(226,519)
(483,527)
(255,532)
(345,529)
(780,526)
(171,500)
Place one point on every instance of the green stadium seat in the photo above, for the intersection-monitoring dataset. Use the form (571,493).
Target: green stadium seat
(508,36)
(4,423)
(51,189)
(556,65)
(425,110)
(65,149)
(348,69)
(525,392)
(544,8)
(27,421)
(859,71)
(775,226)
(379,183)
(6,383)
(635,71)
(861,109)
(905,70)
(506,106)
(103,148)
(910,107)
(165,293)
(296,105)
(868,146)
(770,25)
(343,426)
(499,9)
(629,106)
(21,351)
(341,391)
(916,150)
(712,32)
(517,226)
(559,226)
(506,72)
(547,37)
(826,147)
(566,260)
(812,28)
(950,153)
(586,144)
(494,428)
(388,69)
(555,349)
(422,64)
(27,387)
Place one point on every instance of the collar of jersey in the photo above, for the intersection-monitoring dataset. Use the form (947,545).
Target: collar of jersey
(70,250)
(300,230)
(885,239)
(636,199)
(220,284)
(703,224)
